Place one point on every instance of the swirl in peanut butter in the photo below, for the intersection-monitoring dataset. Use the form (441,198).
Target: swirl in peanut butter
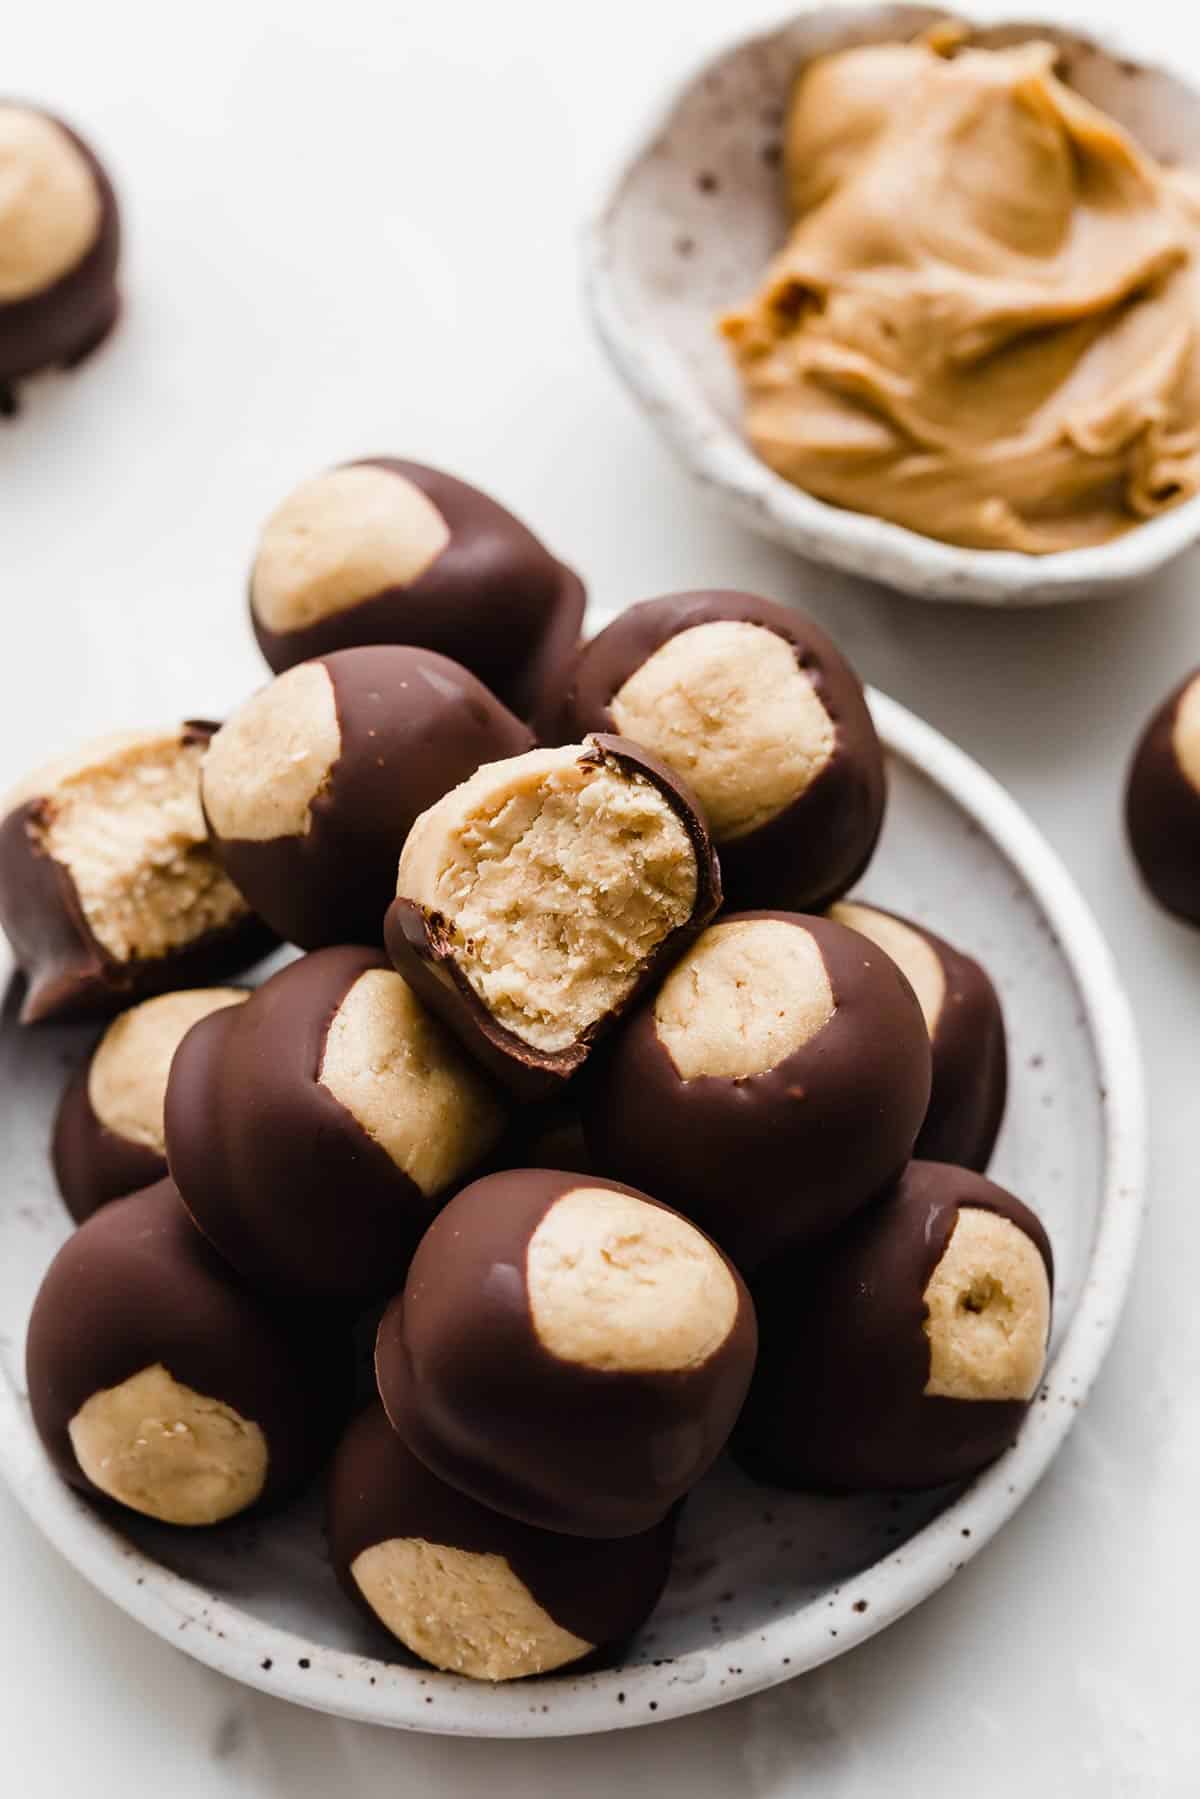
(985,324)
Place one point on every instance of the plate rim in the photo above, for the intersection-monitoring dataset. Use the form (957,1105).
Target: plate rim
(288,1666)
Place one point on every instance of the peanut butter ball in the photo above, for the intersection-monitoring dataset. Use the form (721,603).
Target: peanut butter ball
(385,551)
(109,891)
(467,1589)
(312,786)
(109,1136)
(775,1082)
(537,899)
(905,1351)
(755,707)
(314,1131)
(566,1351)
(1162,803)
(59,244)
(966,1034)
(157,1381)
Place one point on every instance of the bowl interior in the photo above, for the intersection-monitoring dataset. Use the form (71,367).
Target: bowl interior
(760,1585)
(699,211)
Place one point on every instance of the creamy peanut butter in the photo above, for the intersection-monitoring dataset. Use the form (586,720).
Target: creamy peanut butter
(985,324)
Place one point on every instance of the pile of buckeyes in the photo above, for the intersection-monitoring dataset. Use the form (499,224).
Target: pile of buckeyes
(591,1093)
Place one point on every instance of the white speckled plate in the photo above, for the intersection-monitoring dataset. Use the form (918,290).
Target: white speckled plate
(690,222)
(766,1583)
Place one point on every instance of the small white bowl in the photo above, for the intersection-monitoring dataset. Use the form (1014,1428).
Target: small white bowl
(766,1583)
(688,228)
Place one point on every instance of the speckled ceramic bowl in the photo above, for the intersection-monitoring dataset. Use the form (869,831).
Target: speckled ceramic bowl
(766,1583)
(690,223)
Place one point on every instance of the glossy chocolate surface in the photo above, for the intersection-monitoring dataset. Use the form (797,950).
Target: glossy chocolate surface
(475,1394)
(138,1285)
(412,725)
(812,851)
(546,1135)
(93,1164)
(1162,814)
(970,1060)
(599,1589)
(422,951)
(276,1172)
(838,1401)
(495,599)
(59,325)
(71,975)
(769,1161)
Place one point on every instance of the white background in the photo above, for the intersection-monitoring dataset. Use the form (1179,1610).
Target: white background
(353,228)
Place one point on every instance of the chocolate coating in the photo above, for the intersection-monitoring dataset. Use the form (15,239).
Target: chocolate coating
(60,325)
(1162,814)
(495,599)
(813,850)
(412,725)
(138,1285)
(546,1135)
(277,1172)
(768,1161)
(71,975)
(970,1061)
(421,951)
(474,1392)
(838,1401)
(93,1164)
(600,1589)
(970,1067)
(108,1133)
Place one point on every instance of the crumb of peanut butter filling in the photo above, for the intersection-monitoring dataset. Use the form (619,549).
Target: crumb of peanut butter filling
(985,324)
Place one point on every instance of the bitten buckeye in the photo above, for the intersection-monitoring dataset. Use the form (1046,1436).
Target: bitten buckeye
(109,891)
(755,707)
(537,899)
(311,788)
(313,1131)
(566,1351)
(59,244)
(775,1083)
(467,1589)
(904,1353)
(385,551)
(159,1382)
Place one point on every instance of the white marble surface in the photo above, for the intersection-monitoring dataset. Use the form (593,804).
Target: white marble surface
(356,230)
